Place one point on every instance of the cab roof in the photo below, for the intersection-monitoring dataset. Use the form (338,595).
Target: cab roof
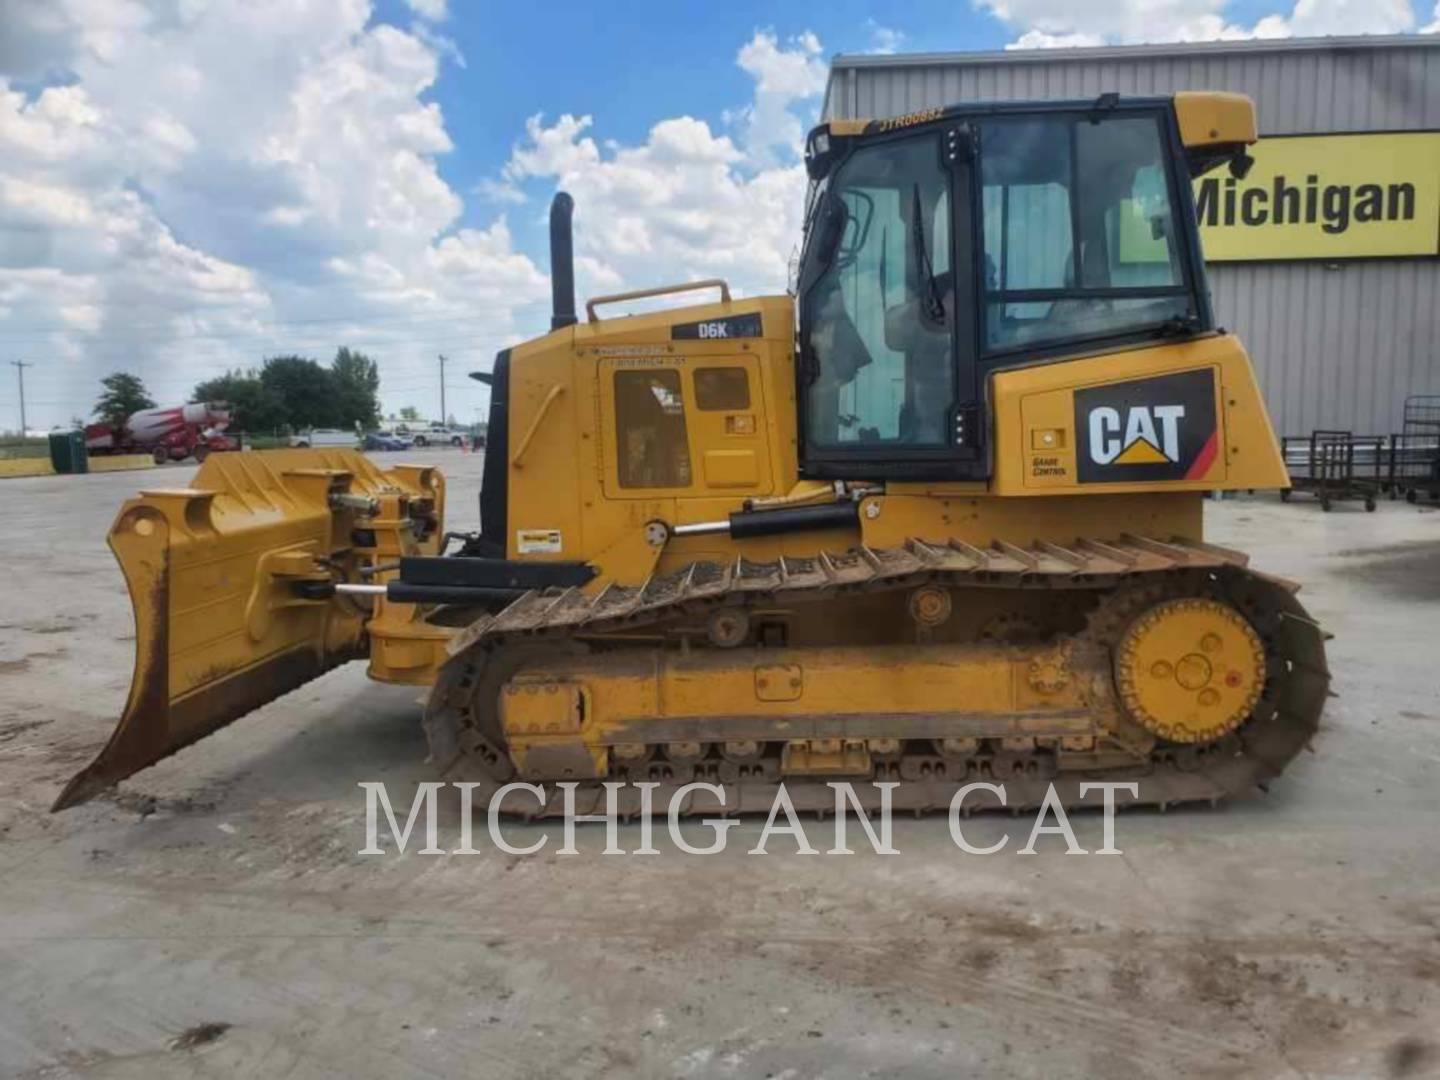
(1208,119)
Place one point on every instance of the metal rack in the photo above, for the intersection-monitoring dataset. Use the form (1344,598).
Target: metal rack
(1336,466)
(1415,452)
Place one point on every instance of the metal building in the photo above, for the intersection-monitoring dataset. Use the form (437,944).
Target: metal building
(1339,340)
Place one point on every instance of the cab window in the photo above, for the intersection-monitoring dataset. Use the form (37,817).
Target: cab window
(652,449)
(877,320)
(1080,234)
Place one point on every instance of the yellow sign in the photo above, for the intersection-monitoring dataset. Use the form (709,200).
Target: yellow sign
(1326,197)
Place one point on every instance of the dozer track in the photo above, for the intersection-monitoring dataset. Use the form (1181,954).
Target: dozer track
(1109,585)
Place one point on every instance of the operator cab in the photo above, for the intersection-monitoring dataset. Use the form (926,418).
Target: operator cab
(942,245)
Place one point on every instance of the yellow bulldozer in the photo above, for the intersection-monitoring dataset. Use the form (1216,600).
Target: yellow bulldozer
(932,517)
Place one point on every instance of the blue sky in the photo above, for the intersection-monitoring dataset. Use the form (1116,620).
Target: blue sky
(639,61)
(190,187)
(633,65)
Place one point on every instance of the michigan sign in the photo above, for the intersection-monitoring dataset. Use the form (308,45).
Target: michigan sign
(1351,196)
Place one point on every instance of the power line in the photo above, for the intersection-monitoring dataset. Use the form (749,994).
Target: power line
(165,331)
(214,367)
(406,381)
(273,346)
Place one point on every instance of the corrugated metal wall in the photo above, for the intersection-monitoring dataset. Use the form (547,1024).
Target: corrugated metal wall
(1336,346)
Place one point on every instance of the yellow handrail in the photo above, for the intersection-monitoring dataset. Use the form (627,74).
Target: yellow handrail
(550,398)
(659,290)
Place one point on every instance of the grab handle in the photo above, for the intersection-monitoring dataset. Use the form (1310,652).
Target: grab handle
(659,290)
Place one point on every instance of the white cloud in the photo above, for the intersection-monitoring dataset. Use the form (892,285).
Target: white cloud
(1070,23)
(498,191)
(785,76)
(1311,18)
(688,202)
(884,39)
(682,205)
(792,73)
(433,10)
(211,179)
(206,184)
(42,36)
(438,42)
(1039,39)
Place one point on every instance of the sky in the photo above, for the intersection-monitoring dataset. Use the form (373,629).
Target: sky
(189,186)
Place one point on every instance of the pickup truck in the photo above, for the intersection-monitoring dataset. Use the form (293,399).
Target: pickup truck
(324,437)
(434,435)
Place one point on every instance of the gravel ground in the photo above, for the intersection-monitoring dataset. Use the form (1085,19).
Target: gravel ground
(212,917)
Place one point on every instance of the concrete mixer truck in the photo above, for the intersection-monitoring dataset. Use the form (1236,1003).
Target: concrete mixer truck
(169,434)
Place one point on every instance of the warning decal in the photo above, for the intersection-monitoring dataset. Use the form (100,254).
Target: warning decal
(538,542)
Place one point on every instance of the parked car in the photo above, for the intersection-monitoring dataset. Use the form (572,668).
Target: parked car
(385,440)
(324,437)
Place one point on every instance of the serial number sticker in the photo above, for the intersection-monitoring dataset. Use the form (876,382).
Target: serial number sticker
(648,362)
(632,350)
(910,119)
(538,541)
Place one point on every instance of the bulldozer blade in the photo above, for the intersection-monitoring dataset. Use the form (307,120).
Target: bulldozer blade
(221,626)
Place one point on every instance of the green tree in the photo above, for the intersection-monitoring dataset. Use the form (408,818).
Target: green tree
(410,413)
(253,407)
(304,391)
(356,389)
(124,394)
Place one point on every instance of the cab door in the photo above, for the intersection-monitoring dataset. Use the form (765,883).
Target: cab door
(888,376)
(727,430)
(683,427)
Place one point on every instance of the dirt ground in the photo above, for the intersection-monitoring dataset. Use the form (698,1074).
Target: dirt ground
(213,917)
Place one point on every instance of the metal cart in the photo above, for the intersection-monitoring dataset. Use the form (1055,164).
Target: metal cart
(1415,452)
(1336,466)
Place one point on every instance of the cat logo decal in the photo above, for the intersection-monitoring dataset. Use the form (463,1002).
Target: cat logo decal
(1147,429)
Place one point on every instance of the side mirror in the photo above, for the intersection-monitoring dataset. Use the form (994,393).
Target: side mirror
(834,216)
(854,214)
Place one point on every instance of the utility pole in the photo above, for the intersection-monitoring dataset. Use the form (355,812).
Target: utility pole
(20,366)
(444,417)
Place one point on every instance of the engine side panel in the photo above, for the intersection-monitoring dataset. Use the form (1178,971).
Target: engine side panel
(1181,417)
(588,468)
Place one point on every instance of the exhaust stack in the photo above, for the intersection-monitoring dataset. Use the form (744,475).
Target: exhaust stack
(562,263)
